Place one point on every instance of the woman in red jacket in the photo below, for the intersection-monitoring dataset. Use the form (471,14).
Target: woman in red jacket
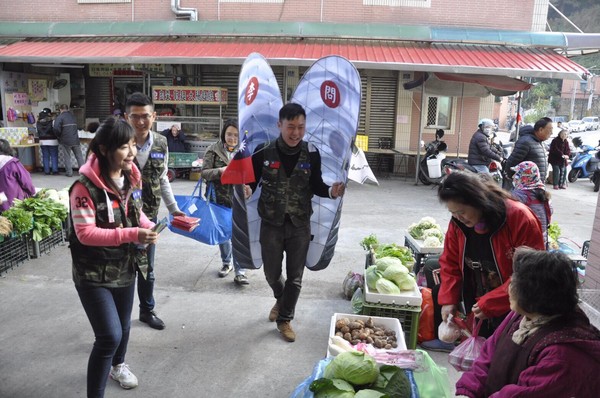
(487,225)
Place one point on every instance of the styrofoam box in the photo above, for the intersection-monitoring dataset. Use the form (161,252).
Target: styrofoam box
(418,244)
(388,323)
(412,297)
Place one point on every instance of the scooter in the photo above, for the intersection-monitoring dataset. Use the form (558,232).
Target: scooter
(585,163)
(595,178)
(434,158)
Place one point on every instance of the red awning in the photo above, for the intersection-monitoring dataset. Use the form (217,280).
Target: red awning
(371,54)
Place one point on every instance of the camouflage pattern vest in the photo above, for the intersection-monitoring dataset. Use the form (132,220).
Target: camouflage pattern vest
(151,175)
(283,195)
(109,266)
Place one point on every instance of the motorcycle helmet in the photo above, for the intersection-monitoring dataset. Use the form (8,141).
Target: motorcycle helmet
(485,122)
(47,110)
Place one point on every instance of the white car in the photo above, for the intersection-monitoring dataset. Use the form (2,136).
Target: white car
(592,122)
(577,125)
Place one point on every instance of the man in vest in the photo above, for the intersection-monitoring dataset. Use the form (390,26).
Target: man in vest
(290,170)
(151,159)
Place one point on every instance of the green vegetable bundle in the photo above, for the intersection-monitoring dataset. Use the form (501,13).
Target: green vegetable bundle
(394,250)
(48,215)
(356,374)
(21,220)
(418,230)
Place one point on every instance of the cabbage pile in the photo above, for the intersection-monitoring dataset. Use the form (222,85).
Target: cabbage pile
(427,230)
(357,375)
(389,276)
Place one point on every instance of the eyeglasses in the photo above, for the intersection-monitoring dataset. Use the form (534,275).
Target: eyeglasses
(145,117)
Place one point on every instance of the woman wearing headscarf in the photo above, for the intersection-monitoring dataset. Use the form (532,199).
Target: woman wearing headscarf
(531,190)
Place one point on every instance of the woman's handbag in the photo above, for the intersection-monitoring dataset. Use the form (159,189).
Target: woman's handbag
(215,220)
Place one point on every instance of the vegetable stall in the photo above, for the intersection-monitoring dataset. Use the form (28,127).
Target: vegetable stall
(372,353)
(32,226)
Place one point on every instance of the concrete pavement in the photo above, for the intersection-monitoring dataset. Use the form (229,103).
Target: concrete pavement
(218,341)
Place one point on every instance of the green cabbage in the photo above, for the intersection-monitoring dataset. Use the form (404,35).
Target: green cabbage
(433,232)
(385,286)
(332,388)
(355,367)
(384,262)
(432,241)
(400,276)
(369,394)
(372,275)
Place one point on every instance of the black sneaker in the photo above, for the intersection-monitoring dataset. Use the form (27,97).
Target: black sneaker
(241,280)
(225,270)
(152,320)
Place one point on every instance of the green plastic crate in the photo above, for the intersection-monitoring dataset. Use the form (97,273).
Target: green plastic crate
(181,159)
(408,317)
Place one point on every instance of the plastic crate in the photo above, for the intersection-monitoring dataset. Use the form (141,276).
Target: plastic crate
(36,249)
(407,315)
(13,251)
(181,159)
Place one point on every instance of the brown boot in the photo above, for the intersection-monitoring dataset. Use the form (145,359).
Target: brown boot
(274,312)
(286,331)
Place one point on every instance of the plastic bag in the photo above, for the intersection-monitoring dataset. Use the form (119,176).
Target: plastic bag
(463,356)
(426,322)
(302,390)
(353,281)
(448,331)
(432,381)
(357,301)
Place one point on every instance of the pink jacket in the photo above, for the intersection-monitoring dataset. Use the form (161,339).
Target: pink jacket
(84,217)
(564,369)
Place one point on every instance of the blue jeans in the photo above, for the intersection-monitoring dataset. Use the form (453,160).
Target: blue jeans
(50,156)
(109,313)
(481,168)
(226,255)
(274,240)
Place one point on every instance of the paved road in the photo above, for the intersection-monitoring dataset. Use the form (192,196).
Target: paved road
(218,341)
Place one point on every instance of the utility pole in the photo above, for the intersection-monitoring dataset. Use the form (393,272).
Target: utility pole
(572,114)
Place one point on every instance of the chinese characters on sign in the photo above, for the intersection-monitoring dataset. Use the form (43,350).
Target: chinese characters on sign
(20,99)
(330,94)
(107,70)
(189,95)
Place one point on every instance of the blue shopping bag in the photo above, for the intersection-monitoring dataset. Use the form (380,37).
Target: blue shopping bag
(215,220)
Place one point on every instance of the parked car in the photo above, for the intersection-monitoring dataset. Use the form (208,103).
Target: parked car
(577,125)
(592,122)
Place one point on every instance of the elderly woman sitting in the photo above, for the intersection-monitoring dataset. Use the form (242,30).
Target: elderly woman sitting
(546,346)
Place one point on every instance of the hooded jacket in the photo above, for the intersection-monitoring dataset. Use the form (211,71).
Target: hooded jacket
(15,181)
(564,363)
(529,147)
(520,227)
(85,215)
(45,130)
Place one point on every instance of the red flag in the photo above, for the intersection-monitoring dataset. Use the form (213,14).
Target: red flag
(519,119)
(239,170)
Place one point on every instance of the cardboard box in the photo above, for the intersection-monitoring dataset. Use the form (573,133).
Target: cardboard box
(388,323)
(411,298)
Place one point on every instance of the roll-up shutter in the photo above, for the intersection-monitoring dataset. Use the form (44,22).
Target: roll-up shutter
(381,107)
(98,97)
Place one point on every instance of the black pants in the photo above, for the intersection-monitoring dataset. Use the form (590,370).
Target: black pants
(294,241)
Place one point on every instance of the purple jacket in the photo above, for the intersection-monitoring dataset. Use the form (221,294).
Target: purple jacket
(568,368)
(15,181)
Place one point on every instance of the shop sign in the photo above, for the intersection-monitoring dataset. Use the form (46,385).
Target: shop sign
(189,95)
(107,70)
(20,99)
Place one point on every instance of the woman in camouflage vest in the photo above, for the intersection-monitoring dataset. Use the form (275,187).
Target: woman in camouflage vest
(108,233)
(216,159)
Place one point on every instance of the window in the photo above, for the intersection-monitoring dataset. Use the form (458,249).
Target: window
(438,112)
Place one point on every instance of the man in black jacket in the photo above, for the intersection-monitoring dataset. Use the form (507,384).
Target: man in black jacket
(530,146)
(65,128)
(480,150)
